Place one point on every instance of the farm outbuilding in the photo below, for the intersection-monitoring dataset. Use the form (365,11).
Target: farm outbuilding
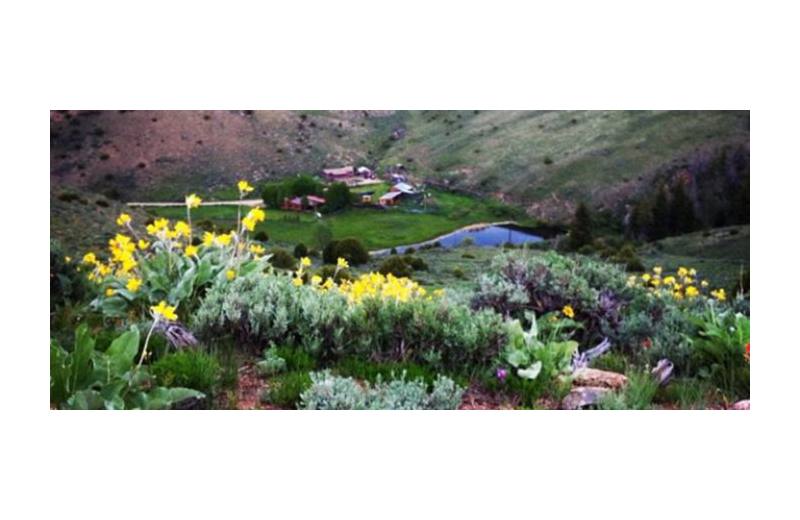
(296,204)
(343,174)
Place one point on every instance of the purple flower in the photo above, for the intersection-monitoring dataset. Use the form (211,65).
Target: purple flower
(501,374)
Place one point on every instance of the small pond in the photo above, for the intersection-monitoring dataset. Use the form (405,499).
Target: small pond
(489,236)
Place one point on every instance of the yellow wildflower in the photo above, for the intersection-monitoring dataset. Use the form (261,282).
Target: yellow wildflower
(305,261)
(249,223)
(182,228)
(162,310)
(123,219)
(297,281)
(316,280)
(208,238)
(230,274)
(438,292)
(646,277)
(68,259)
(89,258)
(256,215)
(224,240)
(669,280)
(143,244)
(719,294)
(692,272)
(568,311)
(682,271)
(190,251)
(193,201)
(133,284)
(257,249)
(244,187)
(704,283)
(109,292)
(342,263)
(677,295)
(657,269)
(692,291)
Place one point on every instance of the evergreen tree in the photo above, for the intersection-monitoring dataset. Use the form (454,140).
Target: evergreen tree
(581,230)
(741,204)
(660,226)
(682,218)
(641,218)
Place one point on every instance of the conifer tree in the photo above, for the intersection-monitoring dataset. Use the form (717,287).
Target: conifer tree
(581,230)
(660,227)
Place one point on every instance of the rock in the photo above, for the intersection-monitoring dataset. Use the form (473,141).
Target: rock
(581,396)
(741,405)
(595,377)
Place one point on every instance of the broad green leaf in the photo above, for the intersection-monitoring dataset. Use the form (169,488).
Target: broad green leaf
(123,350)
(517,358)
(531,372)
(86,400)
(79,366)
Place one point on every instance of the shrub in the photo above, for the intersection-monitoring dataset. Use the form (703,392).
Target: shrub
(338,275)
(352,250)
(548,281)
(459,273)
(272,363)
(282,259)
(190,369)
(416,263)
(256,310)
(329,252)
(468,256)
(396,265)
(261,236)
(66,284)
(328,392)
(285,390)
(300,250)
(628,257)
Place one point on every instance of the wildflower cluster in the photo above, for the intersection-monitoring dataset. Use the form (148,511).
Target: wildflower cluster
(167,263)
(684,284)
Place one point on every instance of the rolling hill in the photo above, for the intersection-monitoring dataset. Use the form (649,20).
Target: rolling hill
(542,161)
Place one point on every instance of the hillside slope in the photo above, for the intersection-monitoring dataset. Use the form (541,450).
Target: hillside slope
(543,161)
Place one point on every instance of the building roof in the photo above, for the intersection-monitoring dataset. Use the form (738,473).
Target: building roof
(311,198)
(390,195)
(346,170)
(402,186)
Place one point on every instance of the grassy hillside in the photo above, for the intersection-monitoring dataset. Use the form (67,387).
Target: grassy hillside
(160,155)
(542,161)
(547,160)
(720,255)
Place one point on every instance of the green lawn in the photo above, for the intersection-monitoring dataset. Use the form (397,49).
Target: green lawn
(376,228)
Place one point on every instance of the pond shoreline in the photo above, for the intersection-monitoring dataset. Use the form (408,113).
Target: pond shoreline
(471,227)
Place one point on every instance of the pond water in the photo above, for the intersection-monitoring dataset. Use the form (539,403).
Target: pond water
(489,236)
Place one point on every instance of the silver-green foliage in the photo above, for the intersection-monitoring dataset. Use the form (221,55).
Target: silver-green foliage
(258,310)
(328,392)
(272,363)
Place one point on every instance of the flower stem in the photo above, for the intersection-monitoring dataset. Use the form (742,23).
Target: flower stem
(146,342)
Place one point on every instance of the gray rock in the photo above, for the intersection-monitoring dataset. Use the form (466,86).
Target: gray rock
(582,396)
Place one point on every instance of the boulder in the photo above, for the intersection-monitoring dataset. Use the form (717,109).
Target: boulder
(581,396)
(595,377)
(741,405)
